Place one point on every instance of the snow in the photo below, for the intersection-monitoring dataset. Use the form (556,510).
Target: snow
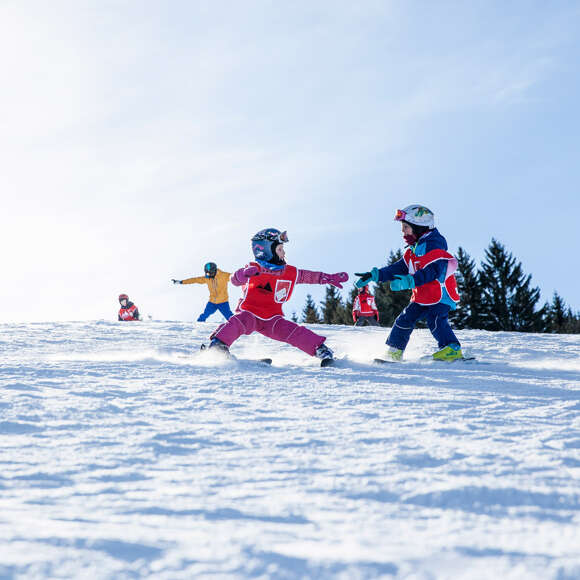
(125,454)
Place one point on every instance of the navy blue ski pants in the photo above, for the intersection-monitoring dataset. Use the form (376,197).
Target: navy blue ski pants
(436,316)
(211,307)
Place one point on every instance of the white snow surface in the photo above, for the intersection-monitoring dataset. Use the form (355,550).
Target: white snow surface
(125,453)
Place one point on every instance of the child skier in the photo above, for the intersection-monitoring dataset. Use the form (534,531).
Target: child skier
(128,311)
(364,309)
(427,269)
(217,282)
(267,283)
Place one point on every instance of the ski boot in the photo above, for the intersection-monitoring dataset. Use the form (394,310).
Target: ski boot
(218,346)
(394,354)
(325,355)
(449,353)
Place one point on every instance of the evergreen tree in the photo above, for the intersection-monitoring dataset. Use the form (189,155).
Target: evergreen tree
(332,307)
(559,318)
(508,301)
(469,308)
(390,304)
(347,310)
(572,325)
(556,315)
(310,313)
(294,317)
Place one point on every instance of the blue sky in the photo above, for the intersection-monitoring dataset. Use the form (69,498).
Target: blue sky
(141,139)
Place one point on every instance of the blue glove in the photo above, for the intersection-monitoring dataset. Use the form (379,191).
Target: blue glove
(366,277)
(406,282)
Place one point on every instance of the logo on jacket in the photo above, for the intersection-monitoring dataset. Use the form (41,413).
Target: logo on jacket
(266,287)
(282,290)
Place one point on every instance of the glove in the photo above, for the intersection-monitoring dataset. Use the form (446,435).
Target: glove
(366,277)
(334,279)
(176,281)
(250,271)
(406,282)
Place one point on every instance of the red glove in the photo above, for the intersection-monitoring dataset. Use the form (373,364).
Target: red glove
(334,279)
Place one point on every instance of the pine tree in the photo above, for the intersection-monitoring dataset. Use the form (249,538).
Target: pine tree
(347,310)
(572,325)
(332,306)
(556,315)
(469,308)
(560,319)
(390,304)
(310,313)
(508,301)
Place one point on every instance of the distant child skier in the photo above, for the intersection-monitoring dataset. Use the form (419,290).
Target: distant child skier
(128,311)
(427,269)
(364,309)
(267,284)
(217,282)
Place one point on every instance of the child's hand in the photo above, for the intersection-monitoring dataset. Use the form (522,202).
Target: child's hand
(366,277)
(251,271)
(334,279)
(406,282)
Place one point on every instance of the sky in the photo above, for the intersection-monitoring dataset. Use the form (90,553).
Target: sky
(139,140)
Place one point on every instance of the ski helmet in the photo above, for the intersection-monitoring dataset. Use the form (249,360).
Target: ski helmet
(123,297)
(264,243)
(416,215)
(210,270)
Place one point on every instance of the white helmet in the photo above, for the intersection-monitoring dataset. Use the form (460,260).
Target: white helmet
(416,214)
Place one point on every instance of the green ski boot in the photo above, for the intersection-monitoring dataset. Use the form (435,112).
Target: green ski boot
(394,355)
(450,353)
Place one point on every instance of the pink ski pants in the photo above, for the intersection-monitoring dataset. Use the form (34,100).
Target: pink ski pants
(277,328)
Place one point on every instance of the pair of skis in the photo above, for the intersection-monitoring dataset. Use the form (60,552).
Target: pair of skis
(327,362)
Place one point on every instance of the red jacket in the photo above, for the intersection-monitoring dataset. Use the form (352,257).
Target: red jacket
(129,313)
(364,305)
(264,294)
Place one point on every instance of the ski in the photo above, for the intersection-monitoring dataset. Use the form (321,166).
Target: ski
(229,356)
(426,359)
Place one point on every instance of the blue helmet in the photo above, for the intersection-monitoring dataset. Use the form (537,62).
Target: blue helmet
(210,270)
(265,241)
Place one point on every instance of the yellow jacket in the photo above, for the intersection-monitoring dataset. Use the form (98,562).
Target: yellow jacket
(218,286)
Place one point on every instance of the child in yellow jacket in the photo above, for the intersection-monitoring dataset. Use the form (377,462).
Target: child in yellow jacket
(217,282)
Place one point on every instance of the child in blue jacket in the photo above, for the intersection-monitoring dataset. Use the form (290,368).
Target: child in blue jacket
(427,269)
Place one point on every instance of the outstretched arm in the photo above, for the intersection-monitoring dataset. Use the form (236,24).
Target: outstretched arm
(196,280)
(310,277)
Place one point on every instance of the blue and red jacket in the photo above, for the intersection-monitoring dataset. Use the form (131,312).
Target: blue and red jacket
(432,267)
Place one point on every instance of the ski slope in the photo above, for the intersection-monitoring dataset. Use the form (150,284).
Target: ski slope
(124,455)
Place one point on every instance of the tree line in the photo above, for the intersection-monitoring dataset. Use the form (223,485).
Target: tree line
(496,296)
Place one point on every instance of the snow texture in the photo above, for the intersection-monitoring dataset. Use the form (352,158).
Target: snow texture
(126,454)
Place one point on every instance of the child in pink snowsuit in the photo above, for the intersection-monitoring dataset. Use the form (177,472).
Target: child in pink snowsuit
(267,284)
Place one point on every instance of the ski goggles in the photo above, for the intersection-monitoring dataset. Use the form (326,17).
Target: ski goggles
(400,215)
(272,236)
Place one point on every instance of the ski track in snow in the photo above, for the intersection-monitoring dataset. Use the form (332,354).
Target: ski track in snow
(125,454)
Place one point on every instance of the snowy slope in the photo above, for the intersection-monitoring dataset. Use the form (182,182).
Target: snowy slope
(124,456)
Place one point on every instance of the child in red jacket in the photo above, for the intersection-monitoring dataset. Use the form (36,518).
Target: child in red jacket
(364,309)
(267,284)
(128,311)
